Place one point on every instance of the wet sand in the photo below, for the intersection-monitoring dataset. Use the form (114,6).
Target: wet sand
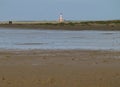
(59,68)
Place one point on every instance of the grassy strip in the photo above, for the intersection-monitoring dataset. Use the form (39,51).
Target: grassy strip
(67,25)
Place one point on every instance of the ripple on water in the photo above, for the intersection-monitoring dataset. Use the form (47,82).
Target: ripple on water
(30,43)
(59,39)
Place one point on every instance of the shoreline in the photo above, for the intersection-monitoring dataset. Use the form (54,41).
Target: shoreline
(59,68)
(64,26)
(27,50)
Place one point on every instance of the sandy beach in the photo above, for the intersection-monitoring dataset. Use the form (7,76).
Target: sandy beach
(59,68)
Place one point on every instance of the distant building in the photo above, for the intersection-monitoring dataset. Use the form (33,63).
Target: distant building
(61,19)
(10,22)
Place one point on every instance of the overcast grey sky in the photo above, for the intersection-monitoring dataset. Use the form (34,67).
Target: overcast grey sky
(50,9)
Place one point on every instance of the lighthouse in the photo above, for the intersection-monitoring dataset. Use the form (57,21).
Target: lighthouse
(61,18)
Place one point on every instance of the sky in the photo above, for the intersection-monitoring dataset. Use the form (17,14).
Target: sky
(29,10)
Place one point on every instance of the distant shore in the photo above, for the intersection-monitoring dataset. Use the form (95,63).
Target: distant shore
(87,25)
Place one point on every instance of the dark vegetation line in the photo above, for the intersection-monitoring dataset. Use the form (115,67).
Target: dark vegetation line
(67,25)
(85,22)
(63,23)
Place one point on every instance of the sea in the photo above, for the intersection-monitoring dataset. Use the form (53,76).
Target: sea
(25,39)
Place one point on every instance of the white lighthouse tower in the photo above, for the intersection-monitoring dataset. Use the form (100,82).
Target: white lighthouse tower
(61,18)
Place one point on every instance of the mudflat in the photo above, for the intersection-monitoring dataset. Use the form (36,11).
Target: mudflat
(59,68)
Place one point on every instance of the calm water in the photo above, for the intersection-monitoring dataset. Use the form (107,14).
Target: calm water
(59,39)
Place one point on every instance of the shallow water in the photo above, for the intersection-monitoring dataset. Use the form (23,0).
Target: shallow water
(59,39)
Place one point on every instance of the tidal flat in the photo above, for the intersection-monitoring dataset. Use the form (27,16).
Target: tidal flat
(59,58)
